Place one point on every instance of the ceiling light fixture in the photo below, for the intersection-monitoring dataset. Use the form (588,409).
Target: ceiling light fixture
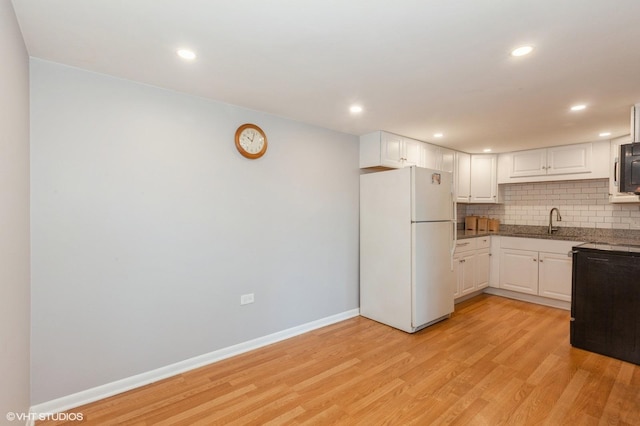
(522,50)
(438,135)
(486,150)
(578,107)
(604,134)
(355,109)
(187,54)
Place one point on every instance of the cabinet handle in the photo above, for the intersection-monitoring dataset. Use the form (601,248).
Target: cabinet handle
(462,244)
(540,260)
(535,260)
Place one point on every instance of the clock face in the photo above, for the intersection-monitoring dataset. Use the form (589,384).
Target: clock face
(251,141)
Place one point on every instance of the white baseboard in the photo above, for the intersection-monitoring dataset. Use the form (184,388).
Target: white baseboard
(104,391)
(531,298)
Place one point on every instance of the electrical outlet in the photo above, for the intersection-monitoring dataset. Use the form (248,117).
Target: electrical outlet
(245,299)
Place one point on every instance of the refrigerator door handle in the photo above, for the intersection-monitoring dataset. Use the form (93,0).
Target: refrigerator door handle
(454,239)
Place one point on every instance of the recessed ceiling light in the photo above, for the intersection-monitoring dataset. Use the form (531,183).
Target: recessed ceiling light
(187,54)
(603,134)
(438,135)
(355,109)
(578,107)
(486,150)
(522,50)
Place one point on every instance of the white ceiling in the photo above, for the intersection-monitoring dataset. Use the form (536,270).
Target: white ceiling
(416,66)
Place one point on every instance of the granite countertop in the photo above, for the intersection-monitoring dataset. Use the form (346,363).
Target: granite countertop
(608,236)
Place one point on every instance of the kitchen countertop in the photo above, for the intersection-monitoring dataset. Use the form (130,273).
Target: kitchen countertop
(605,236)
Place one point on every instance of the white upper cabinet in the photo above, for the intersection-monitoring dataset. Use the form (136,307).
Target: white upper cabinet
(567,162)
(529,163)
(476,178)
(445,160)
(552,161)
(383,149)
(412,152)
(615,196)
(395,151)
(484,182)
(569,159)
(429,156)
(463,177)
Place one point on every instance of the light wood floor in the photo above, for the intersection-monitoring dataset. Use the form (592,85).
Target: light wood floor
(495,361)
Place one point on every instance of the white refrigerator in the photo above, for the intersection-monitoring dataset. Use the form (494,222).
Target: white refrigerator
(407,233)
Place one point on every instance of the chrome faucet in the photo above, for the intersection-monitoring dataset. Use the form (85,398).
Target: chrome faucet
(553,229)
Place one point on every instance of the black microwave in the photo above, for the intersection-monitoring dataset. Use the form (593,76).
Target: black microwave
(630,168)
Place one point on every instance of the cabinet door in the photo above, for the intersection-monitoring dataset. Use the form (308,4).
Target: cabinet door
(463,177)
(446,159)
(467,282)
(555,276)
(484,179)
(459,273)
(392,150)
(413,152)
(529,163)
(482,267)
(494,269)
(519,270)
(569,159)
(430,156)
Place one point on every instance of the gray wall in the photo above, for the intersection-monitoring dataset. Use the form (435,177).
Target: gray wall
(148,225)
(14,217)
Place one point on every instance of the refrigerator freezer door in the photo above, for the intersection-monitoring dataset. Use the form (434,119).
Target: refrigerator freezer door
(432,277)
(432,195)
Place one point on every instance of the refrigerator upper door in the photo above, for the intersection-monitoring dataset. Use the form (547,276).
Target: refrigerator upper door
(431,195)
(432,277)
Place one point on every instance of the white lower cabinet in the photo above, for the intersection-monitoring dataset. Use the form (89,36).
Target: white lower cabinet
(555,276)
(544,271)
(483,264)
(471,265)
(519,270)
(464,267)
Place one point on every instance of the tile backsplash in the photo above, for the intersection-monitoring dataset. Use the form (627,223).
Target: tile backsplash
(582,204)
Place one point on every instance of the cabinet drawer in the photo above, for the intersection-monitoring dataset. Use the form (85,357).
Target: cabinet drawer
(466,244)
(483,242)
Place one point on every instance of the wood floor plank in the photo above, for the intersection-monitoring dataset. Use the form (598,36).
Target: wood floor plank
(495,361)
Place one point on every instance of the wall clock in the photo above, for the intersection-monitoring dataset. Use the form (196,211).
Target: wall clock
(251,141)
